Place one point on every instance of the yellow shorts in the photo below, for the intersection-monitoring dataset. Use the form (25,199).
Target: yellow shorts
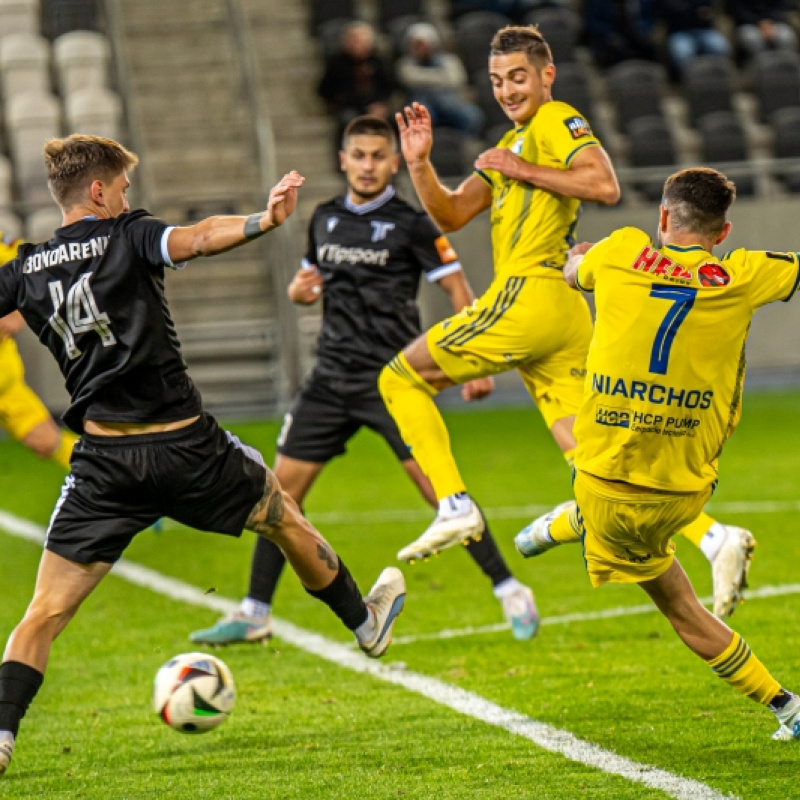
(627,535)
(536,325)
(20,409)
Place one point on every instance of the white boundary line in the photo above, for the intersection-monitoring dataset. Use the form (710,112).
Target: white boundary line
(529,512)
(467,703)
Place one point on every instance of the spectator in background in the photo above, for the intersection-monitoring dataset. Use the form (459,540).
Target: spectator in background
(356,80)
(618,30)
(761,25)
(691,31)
(437,80)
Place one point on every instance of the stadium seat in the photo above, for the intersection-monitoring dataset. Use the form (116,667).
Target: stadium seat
(474,33)
(94,110)
(786,127)
(651,145)
(24,64)
(31,118)
(62,16)
(484,96)
(82,59)
(447,153)
(19,16)
(560,27)
(708,86)
(330,36)
(389,10)
(39,225)
(777,81)
(6,184)
(637,88)
(497,132)
(322,11)
(723,140)
(10,224)
(572,86)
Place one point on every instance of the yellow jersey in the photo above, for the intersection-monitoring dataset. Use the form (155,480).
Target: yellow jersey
(532,228)
(665,368)
(8,248)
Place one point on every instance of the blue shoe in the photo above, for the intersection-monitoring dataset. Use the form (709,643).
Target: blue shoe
(233,629)
(519,609)
(790,724)
(534,539)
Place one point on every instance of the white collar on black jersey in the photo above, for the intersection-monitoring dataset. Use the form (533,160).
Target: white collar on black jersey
(384,197)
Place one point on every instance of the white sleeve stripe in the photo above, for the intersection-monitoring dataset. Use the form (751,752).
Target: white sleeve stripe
(443,271)
(165,249)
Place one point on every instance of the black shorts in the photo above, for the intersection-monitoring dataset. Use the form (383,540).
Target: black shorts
(200,475)
(329,411)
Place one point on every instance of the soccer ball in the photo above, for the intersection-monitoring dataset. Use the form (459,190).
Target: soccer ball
(194,692)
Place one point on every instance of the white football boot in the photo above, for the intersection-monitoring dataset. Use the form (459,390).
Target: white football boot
(445,532)
(386,600)
(6,749)
(729,570)
(534,539)
(789,718)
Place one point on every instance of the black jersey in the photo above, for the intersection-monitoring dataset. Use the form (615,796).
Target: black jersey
(371,258)
(94,295)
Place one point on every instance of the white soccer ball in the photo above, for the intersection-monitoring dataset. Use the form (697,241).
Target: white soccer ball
(194,692)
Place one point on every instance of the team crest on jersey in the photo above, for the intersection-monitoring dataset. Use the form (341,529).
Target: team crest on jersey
(578,127)
(380,229)
(516,148)
(332,223)
(711,274)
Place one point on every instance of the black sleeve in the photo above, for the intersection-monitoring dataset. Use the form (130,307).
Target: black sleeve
(432,250)
(9,281)
(310,257)
(144,234)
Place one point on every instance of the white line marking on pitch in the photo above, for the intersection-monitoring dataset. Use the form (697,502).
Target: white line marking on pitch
(528,512)
(467,703)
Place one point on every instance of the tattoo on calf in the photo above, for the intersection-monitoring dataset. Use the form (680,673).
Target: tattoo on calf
(275,509)
(328,556)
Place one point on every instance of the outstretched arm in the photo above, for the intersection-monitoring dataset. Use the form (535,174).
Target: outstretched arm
(449,209)
(590,175)
(218,234)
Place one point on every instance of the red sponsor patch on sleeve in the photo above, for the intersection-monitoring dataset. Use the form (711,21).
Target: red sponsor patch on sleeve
(445,250)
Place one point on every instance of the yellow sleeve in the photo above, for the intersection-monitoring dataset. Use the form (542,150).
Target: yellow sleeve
(771,276)
(564,132)
(593,260)
(8,249)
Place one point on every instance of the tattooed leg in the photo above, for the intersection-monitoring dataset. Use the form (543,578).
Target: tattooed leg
(277,517)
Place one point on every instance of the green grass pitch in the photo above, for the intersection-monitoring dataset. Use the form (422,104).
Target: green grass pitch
(303,728)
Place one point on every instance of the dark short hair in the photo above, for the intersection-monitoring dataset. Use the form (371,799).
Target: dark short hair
(698,200)
(522,39)
(369,125)
(74,162)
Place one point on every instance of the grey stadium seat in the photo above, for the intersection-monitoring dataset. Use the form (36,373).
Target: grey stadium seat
(325,10)
(786,127)
(474,33)
(777,81)
(637,88)
(652,145)
(389,10)
(447,153)
(723,140)
(708,85)
(560,27)
(572,86)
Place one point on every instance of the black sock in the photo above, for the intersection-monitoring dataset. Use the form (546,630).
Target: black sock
(343,598)
(488,557)
(783,698)
(265,570)
(18,686)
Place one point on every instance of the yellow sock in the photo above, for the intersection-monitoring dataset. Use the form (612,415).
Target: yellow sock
(410,401)
(569,457)
(737,666)
(62,453)
(565,529)
(696,530)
